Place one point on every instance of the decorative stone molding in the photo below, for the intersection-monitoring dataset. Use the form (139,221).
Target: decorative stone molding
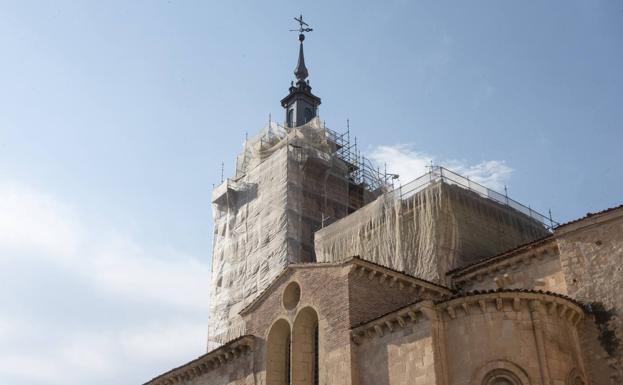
(210,361)
(400,281)
(471,303)
(549,303)
(388,323)
(482,374)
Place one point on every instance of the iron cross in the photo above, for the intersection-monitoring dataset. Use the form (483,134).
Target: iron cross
(303,26)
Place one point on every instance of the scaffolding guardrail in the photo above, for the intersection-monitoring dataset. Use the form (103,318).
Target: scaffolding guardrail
(439,173)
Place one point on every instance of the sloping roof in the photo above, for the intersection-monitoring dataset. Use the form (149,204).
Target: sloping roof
(402,272)
(589,215)
(499,257)
(190,367)
(386,314)
(354,259)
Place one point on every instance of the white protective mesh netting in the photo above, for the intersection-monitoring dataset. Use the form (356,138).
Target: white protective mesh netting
(428,233)
(287,181)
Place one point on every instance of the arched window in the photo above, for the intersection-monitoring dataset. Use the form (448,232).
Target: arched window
(501,377)
(278,354)
(305,348)
(575,378)
(500,372)
(308,115)
(290,117)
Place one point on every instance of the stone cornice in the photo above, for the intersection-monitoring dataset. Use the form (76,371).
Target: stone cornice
(507,262)
(516,300)
(468,304)
(210,361)
(389,322)
(392,278)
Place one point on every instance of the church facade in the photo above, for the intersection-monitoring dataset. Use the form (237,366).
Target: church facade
(324,274)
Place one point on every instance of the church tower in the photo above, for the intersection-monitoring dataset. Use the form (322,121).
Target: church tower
(290,181)
(301,105)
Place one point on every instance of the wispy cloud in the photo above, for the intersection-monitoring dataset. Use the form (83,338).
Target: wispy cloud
(35,222)
(409,163)
(140,309)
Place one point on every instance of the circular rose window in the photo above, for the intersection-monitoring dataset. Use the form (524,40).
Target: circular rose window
(291,295)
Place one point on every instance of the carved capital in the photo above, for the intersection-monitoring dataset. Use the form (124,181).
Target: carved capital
(535,306)
(429,311)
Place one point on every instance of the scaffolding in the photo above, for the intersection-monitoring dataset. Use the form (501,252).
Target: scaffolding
(361,171)
(289,183)
(439,173)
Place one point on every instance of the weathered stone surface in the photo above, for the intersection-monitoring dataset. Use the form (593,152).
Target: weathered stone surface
(591,255)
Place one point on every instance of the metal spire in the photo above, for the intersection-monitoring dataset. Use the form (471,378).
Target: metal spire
(300,71)
(300,104)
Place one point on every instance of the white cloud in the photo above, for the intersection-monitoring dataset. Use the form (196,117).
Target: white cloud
(160,342)
(107,357)
(34,221)
(410,164)
(122,268)
(402,160)
(38,225)
(115,280)
(29,368)
(491,173)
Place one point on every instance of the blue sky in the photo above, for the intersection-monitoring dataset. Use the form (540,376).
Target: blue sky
(115,117)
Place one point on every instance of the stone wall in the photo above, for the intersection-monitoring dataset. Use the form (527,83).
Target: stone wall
(591,253)
(403,356)
(370,298)
(529,335)
(536,267)
(323,288)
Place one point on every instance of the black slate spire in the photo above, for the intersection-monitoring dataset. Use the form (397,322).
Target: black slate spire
(300,71)
(301,105)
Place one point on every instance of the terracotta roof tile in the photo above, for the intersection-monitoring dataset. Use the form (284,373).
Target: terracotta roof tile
(499,257)
(189,363)
(589,215)
(494,291)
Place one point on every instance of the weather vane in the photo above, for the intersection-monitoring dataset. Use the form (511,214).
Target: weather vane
(303,26)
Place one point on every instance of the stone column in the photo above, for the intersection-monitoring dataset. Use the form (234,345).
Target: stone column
(438,334)
(536,313)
